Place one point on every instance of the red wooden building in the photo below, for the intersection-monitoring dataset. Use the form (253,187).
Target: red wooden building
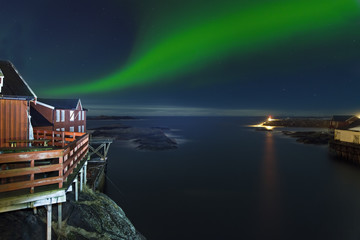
(15,98)
(62,114)
(38,167)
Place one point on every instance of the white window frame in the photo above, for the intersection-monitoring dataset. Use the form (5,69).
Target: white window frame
(63,115)
(79,113)
(57,115)
(79,128)
(72,117)
(83,115)
(71,129)
(63,129)
(82,128)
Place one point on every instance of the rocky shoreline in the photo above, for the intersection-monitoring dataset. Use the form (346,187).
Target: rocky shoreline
(306,137)
(311,137)
(94,216)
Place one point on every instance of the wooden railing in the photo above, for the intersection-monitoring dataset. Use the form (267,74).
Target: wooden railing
(56,138)
(33,169)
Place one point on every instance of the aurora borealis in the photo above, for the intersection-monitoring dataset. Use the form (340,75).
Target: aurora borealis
(238,29)
(236,57)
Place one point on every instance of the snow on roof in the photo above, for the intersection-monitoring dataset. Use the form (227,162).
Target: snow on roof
(14,86)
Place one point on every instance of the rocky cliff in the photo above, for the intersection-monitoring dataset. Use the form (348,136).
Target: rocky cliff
(94,216)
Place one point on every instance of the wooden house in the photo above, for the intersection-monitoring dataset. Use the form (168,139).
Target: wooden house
(62,114)
(15,98)
(38,167)
(342,121)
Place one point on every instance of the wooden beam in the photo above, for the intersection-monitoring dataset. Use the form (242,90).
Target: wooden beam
(29,184)
(26,156)
(29,170)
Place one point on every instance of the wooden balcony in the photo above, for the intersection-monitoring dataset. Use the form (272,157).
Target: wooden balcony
(39,168)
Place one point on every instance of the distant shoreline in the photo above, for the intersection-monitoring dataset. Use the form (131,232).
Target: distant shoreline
(299,122)
(306,137)
(104,117)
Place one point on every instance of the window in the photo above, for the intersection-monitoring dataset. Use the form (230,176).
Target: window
(82,128)
(79,128)
(83,115)
(63,129)
(57,115)
(58,129)
(63,115)
(71,129)
(72,116)
(79,114)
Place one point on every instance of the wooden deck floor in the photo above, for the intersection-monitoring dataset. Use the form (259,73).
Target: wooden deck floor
(43,195)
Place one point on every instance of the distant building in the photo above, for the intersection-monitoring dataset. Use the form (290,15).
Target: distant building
(62,114)
(354,126)
(342,121)
(15,98)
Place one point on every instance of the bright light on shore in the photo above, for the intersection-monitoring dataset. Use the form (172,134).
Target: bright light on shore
(270,119)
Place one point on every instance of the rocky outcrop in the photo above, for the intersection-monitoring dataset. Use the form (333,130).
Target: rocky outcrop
(23,224)
(312,137)
(94,216)
(145,138)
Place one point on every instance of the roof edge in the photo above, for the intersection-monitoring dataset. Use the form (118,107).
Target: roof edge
(45,105)
(27,85)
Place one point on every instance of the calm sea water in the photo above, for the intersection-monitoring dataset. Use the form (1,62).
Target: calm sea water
(227,181)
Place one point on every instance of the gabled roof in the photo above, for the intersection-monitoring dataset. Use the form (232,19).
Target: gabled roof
(342,118)
(14,85)
(60,103)
(38,120)
(354,124)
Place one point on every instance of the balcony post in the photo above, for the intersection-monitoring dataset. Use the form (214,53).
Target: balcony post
(85,169)
(48,220)
(76,189)
(59,215)
(32,177)
(81,179)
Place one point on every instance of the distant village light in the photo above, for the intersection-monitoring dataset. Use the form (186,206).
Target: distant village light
(270,119)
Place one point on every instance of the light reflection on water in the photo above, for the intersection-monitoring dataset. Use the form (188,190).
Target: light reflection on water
(270,209)
(232,182)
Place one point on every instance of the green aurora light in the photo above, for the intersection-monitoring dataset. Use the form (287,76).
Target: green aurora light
(239,30)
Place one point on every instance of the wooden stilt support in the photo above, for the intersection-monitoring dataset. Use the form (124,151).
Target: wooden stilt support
(48,221)
(81,179)
(85,169)
(59,215)
(102,148)
(76,189)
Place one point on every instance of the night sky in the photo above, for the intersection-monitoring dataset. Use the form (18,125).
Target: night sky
(154,57)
